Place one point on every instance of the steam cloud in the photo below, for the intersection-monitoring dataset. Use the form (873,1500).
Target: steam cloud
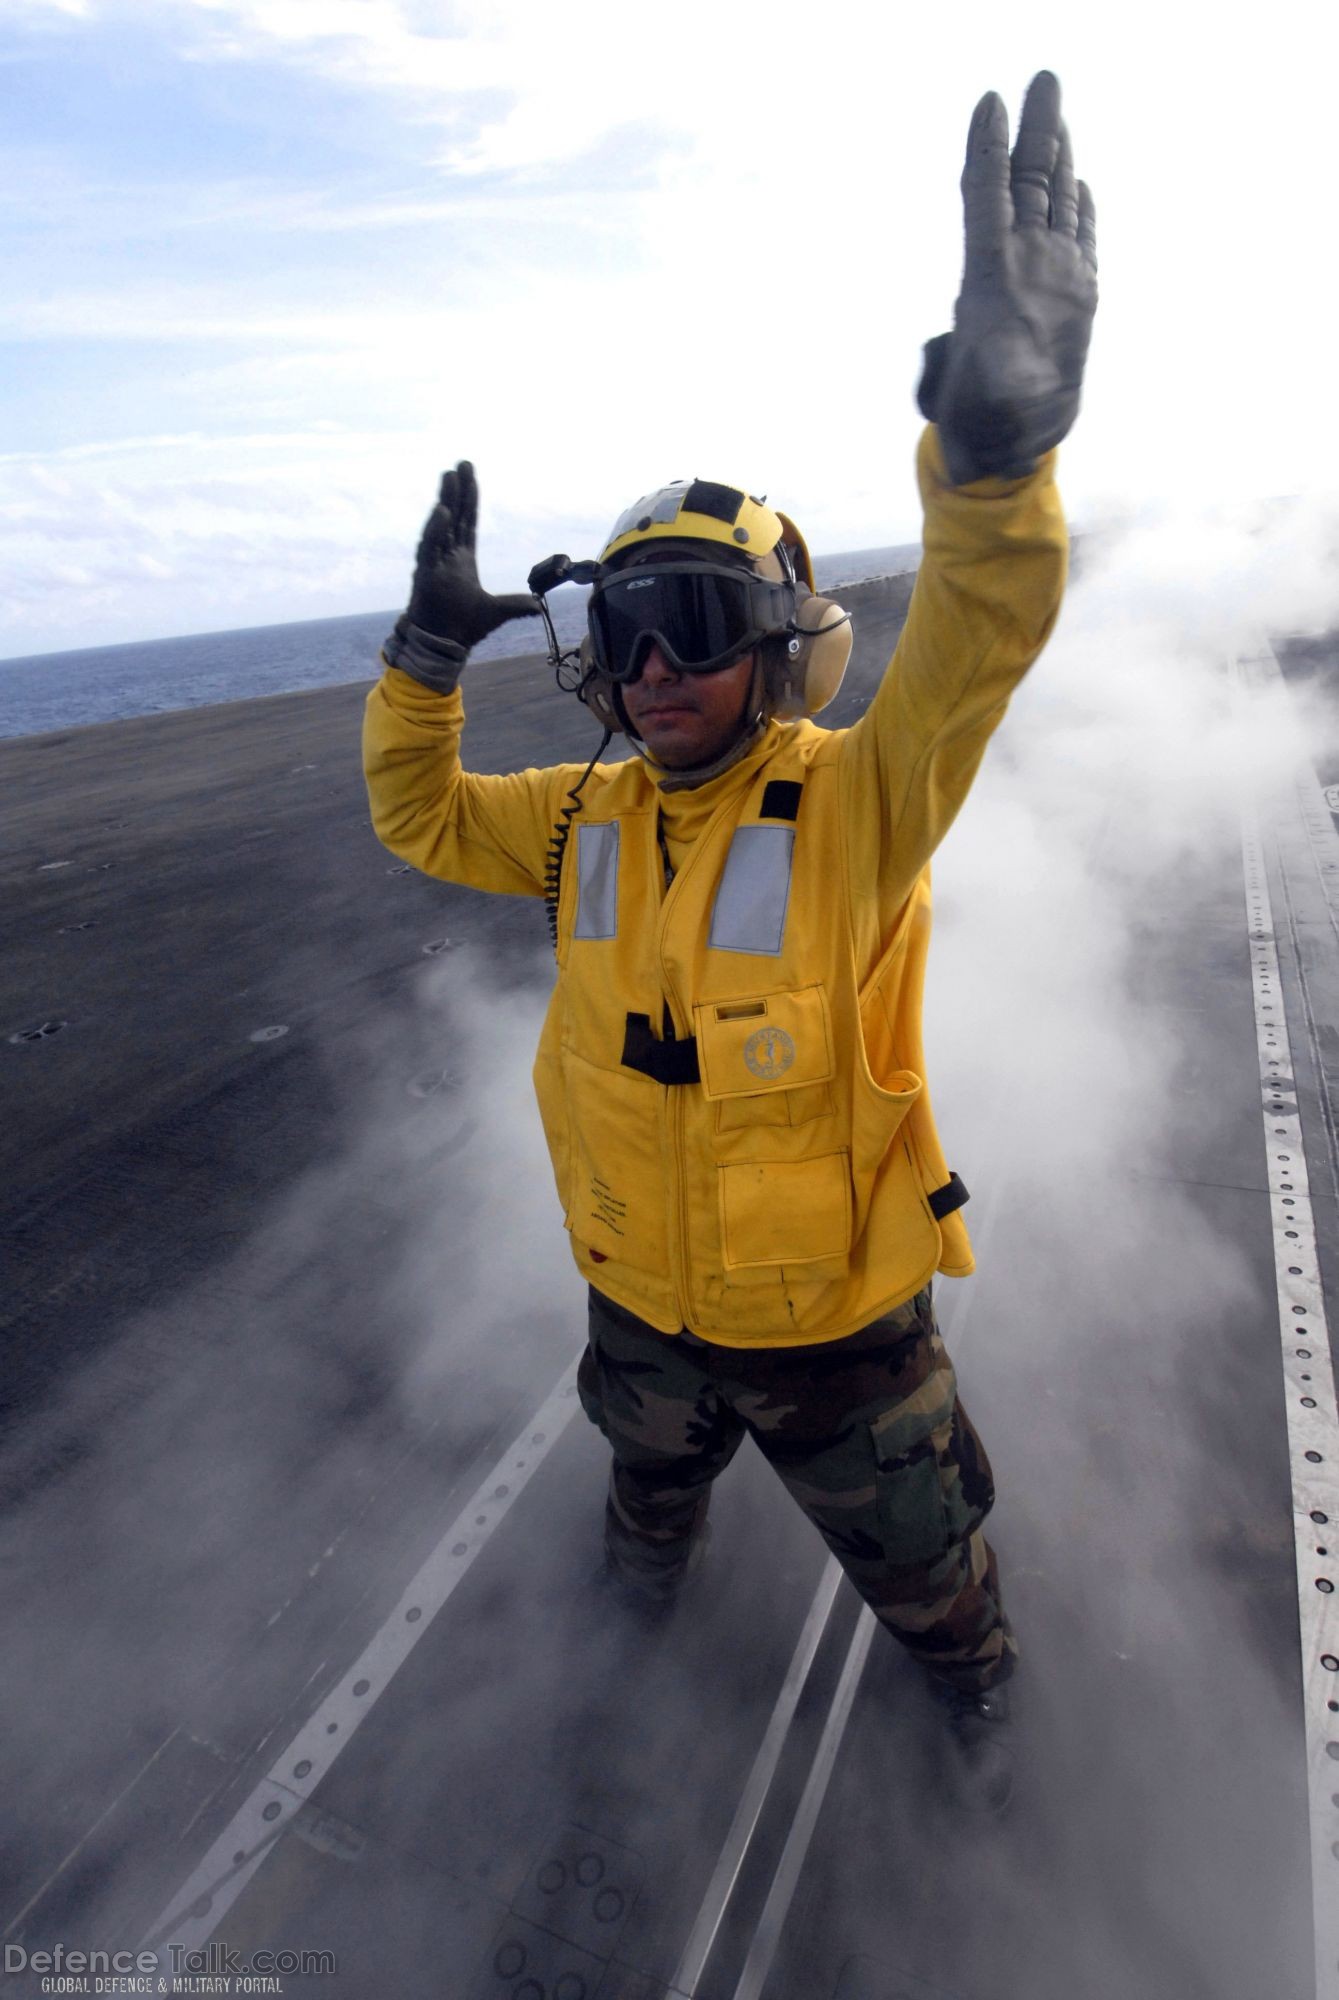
(166,1513)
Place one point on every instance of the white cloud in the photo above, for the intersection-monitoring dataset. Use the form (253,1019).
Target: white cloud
(602,256)
(366,43)
(31,10)
(39,190)
(165,314)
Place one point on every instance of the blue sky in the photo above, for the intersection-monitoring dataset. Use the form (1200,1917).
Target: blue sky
(273,263)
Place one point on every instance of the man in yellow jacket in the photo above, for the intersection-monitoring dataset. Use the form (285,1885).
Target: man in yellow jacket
(731,1076)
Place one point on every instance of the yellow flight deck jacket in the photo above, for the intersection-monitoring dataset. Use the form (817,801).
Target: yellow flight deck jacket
(730,1074)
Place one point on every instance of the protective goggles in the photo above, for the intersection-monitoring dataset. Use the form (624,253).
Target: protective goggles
(700,615)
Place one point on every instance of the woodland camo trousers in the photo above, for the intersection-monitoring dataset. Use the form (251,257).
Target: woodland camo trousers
(866,1433)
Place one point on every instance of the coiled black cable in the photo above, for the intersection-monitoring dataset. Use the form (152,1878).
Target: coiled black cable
(553,867)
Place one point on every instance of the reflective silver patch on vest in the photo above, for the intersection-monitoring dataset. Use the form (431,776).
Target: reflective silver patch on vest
(597,879)
(750,912)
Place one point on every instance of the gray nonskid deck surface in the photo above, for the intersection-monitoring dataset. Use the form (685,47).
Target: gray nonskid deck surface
(221,1286)
(1159,1844)
(256,1320)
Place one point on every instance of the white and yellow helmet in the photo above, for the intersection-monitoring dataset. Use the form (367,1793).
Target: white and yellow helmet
(803,641)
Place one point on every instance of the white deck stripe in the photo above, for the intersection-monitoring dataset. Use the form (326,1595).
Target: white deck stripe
(762,1949)
(772,1921)
(759,1782)
(1313,1431)
(194,1913)
(720,1889)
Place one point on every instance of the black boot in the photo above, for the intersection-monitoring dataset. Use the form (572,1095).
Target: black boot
(979,1743)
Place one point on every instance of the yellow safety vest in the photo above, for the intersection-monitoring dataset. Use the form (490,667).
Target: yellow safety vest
(731,1073)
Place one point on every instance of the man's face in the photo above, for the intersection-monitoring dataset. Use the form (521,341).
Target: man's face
(686,719)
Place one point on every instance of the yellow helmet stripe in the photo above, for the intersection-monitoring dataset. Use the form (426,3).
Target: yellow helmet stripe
(700,510)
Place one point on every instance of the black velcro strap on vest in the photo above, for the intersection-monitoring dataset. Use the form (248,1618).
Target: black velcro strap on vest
(781,799)
(945,1199)
(664,1062)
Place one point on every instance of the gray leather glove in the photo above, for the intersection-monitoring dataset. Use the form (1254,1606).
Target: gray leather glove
(1004,386)
(449,610)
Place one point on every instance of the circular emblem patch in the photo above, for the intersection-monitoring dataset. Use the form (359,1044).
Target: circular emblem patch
(769,1052)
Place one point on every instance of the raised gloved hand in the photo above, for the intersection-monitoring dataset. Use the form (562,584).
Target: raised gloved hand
(1004,386)
(449,610)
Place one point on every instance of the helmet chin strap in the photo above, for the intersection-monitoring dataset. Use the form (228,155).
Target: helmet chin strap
(685,778)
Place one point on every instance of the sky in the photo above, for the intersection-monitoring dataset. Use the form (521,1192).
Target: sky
(272,264)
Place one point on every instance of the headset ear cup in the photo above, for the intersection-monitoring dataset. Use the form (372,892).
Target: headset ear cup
(783,678)
(597,691)
(830,651)
(805,681)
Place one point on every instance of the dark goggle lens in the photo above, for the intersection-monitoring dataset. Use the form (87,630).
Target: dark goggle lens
(699,617)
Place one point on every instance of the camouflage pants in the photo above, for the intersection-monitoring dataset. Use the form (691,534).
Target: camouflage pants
(866,1433)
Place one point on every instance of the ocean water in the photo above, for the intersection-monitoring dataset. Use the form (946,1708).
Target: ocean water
(108,683)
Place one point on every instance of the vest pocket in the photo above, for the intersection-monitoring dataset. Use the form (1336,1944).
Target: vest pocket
(785,1211)
(615,1198)
(753,1045)
(776,1107)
